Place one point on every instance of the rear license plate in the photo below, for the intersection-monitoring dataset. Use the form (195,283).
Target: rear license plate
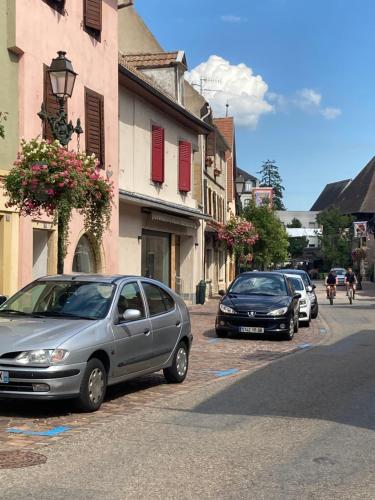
(251,329)
(4,377)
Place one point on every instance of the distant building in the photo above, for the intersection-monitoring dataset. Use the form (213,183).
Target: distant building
(310,227)
(329,195)
(245,183)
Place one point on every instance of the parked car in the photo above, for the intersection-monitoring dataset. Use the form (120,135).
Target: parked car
(310,287)
(340,273)
(259,302)
(72,336)
(304,303)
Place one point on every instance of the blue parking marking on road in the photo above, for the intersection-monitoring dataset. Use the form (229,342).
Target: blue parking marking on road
(50,433)
(213,341)
(323,330)
(225,373)
(304,346)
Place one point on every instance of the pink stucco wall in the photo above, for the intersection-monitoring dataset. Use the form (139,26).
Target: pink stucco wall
(40,33)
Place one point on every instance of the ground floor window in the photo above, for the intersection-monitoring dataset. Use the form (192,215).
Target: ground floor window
(221,265)
(156,256)
(84,257)
(40,252)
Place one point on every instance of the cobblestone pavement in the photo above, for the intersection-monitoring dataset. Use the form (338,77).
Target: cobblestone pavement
(211,360)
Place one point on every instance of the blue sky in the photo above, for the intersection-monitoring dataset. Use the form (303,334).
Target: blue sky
(316,118)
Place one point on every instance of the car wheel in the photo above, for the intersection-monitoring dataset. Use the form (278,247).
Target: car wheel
(93,386)
(290,334)
(314,315)
(221,334)
(296,325)
(176,373)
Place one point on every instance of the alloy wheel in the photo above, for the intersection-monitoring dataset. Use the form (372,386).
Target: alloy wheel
(96,385)
(181,361)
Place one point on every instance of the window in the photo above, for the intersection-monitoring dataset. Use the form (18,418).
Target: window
(84,257)
(184,166)
(58,5)
(94,124)
(131,298)
(158,300)
(50,102)
(157,154)
(92,15)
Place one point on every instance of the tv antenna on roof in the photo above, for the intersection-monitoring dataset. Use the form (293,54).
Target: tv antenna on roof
(227,109)
(201,86)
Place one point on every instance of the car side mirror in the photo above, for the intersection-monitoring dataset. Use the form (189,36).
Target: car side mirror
(131,315)
(297,296)
(222,292)
(309,288)
(2,299)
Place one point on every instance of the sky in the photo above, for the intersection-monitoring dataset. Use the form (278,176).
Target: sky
(298,75)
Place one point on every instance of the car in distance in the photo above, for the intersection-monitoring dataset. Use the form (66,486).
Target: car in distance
(310,287)
(259,302)
(70,336)
(304,303)
(340,274)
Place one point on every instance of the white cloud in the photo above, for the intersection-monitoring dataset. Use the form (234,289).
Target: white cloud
(233,84)
(231,18)
(309,100)
(330,113)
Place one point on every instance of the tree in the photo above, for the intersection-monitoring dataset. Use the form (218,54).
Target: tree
(299,243)
(336,238)
(271,248)
(271,178)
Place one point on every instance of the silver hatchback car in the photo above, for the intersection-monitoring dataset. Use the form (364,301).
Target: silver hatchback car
(70,336)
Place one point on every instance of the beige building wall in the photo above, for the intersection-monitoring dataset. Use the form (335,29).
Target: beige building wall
(133,35)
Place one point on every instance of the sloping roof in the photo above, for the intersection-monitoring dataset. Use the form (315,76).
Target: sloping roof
(226,127)
(359,196)
(245,175)
(329,195)
(155,60)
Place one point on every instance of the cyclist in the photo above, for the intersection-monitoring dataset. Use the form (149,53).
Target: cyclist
(331,281)
(350,281)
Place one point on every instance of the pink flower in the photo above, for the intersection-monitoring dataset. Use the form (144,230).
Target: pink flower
(50,192)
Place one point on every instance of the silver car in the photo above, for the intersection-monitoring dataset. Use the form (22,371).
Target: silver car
(70,336)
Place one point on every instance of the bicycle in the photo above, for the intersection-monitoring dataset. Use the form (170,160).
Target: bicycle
(331,293)
(350,294)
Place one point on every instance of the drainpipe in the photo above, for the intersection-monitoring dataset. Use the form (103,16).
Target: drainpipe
(203,254)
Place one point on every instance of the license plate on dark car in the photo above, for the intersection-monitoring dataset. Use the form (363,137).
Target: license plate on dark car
(251,329)
(4,377)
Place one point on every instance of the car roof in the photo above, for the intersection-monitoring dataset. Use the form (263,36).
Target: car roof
(338,269)
(259,273)
(102,278)
(292,271)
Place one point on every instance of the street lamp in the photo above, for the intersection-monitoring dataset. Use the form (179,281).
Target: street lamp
(240,183)
(62,78)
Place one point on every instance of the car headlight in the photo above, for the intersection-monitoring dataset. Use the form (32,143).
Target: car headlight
(302,302)
(278,312)
(226,309)
(42,356)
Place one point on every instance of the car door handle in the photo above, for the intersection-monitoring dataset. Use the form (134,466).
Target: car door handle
(147,332)
(178,323)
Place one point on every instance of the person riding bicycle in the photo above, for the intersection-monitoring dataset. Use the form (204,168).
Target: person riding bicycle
(331,281)
(350,280)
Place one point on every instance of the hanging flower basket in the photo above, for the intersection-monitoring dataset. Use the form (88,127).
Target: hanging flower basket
(47,178)
(359,254)
(238,234)
(209,161)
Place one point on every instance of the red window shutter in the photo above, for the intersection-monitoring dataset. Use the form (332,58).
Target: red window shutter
(157,154)
(93,14)
(184,166)
(94,125)
(50,103)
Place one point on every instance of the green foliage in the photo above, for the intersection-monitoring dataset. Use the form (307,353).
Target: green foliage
(48,178)
(272,246)
(297,245)
(3,118)
(271,178)
(336,238)
(239,236)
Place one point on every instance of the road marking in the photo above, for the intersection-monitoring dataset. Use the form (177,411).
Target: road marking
(50,433)
(213,341)
(304,346)
(225,373)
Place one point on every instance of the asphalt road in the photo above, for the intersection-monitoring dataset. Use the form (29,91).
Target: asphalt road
(301,427)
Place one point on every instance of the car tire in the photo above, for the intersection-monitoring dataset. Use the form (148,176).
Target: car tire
(290,334)
(296,325)
(222,334)
(176,373)
(314,315)
(93,386)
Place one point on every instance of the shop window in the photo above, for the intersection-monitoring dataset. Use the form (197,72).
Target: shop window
(84,257)
(156,256)
(40,253)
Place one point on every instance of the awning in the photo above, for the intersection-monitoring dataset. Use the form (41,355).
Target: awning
(171,219)
(170,208)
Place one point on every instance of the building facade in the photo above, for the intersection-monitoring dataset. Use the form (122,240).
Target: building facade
(31,33)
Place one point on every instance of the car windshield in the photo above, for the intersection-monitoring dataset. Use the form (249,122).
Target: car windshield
(339,271)
(258,285)
(71,299)
(297,283)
